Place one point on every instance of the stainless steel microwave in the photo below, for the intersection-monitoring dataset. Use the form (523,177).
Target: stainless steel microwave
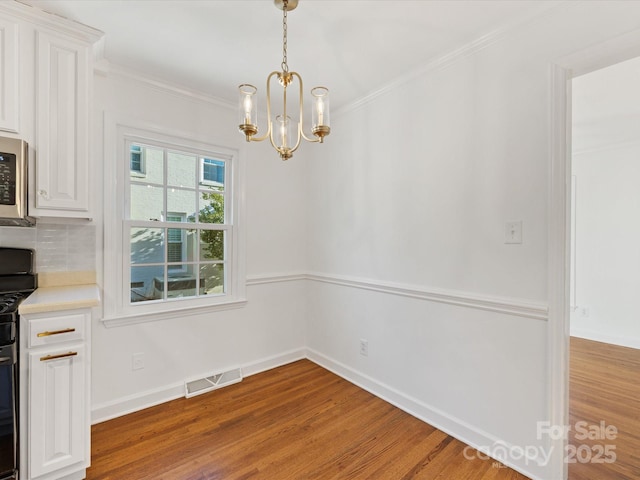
(13,183)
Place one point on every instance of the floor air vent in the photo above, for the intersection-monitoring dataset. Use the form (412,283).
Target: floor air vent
(206,384)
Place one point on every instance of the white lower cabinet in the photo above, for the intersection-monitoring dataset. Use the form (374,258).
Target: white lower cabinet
(55,423)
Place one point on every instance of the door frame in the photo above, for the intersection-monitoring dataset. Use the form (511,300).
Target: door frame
(562,71)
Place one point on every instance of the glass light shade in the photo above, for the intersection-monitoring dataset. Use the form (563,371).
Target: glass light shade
(320,111)
(283,131)
(247,107)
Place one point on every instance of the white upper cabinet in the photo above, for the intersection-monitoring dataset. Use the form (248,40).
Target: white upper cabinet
(62,118)
(9,120)
(45,98)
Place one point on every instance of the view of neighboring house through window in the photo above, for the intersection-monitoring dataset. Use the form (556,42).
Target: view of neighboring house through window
(136,158)
(178,223)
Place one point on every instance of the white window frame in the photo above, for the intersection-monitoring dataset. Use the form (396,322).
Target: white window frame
(118,310)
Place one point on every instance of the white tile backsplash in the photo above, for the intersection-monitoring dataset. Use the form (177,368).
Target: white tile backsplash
(59,248)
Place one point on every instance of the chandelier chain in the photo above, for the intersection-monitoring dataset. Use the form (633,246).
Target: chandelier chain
(285,66)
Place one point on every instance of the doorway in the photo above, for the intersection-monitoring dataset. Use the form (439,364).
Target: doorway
(563,70)
(605,233)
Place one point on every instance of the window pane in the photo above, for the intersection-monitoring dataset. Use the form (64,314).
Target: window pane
(211,245)
(211,208)
(154,165)
(135,161)
(181,284)
(181,246)
(147,283)
(146,203)
(213,172)
(181,170)
(212,279)
(182,202)
(147,245)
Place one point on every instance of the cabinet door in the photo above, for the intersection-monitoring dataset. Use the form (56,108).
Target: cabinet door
(9,74)
(62,133)
(57,423)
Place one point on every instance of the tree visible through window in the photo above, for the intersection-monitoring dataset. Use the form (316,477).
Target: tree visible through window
(177,224)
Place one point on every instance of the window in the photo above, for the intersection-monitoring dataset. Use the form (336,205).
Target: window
(135,159)
(176,245)
(176,255)
(212,171)
(175,227)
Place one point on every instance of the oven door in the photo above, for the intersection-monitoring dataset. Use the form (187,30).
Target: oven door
(8,413)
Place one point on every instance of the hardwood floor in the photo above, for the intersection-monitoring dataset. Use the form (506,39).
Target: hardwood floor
(297,422)
(604,387)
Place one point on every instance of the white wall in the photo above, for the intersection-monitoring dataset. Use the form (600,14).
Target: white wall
(607,256)
(407,205)
(269,330)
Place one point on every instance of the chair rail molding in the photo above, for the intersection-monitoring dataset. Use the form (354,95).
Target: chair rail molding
(508,306)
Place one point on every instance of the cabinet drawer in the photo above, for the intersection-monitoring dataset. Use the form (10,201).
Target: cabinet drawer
(53,330)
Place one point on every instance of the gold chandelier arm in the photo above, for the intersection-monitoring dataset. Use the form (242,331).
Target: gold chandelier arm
(301,124)
(268,133)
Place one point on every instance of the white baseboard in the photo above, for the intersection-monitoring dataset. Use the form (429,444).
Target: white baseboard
(629,342)
(452,426)
(133,403)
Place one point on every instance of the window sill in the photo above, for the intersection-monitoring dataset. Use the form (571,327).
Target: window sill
(168,314)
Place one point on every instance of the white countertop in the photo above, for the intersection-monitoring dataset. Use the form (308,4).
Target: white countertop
(68,297)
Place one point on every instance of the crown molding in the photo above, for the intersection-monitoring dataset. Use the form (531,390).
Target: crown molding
(33,14)
(443,61)
(107,69)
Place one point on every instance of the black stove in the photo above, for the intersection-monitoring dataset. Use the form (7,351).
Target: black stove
(9,302)
(17,281)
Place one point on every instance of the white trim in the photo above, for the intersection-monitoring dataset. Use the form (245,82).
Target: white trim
(621,341)
(447,59)
(275,278)
(507,306)
(116,309)
(139,401)
(54,21)
(112,70)
(453,426)
(615,50)
(620,48)
(559,238)
(168,314)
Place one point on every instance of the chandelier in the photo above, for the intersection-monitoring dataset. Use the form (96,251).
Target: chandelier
(280,133)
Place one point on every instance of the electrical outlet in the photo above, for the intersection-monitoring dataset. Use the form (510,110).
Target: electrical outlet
(137,361)
(364,348)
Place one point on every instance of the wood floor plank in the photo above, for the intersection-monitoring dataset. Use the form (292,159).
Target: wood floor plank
(604,387)
(297,422)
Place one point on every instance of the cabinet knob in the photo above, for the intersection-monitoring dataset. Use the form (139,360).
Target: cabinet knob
(43,193)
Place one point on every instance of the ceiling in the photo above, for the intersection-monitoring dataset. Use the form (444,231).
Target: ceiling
(354,47)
